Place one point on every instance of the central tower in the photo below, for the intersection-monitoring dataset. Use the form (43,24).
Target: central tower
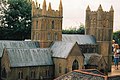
(46,24)
(100,24)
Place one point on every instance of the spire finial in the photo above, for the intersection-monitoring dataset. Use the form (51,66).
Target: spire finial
(44,4)
(111,9)
(100,8)
(36,4)
(44,8)
(60,8)
(88,8)
(60,5)
(49,7)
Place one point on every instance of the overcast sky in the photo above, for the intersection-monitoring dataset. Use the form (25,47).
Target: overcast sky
(74,10)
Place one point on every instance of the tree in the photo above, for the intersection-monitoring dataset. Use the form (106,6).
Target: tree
(3,8)
(18,20)
(80,30)
(116,37)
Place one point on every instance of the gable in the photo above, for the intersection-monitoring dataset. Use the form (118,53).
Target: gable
(5,62)
(61,49)
(75,51)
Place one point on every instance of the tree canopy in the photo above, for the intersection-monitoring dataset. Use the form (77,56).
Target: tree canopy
(116,37)
(80,30)
(17,20)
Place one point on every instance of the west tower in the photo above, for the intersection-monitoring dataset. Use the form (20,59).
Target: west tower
(46,24)
(100,24)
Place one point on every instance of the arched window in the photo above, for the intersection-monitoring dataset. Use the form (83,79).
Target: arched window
(37,24)
(52,24)
(75,65)
(37,36)
(32,74)
(60,68)
(56,36)
(20,75)
(49,36)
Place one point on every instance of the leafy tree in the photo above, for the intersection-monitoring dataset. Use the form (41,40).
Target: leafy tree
(116,37)
(80,30)
(18,20)
(3,8)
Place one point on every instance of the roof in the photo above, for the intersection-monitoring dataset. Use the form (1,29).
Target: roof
(61,49)
(94,71)
(1,52)
(80,75)
(85,75)
(80,39)
(87,57)
(94,59)
(116,77)
(29,57)
(19,44)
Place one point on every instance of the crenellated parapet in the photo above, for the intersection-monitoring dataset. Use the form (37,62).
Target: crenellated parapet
(37,11)
(99,23)
(99,18)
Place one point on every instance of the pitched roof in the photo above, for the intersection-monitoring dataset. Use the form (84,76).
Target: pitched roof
(87,57)
(94,71)
(116,77)
(29,57)
(85,75)
(61,49)
(80,75)
(80,39)
(19,44)
(94,59)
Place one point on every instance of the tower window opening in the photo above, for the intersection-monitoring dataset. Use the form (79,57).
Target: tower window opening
(49,36)
(36,24)
(56,36)
(52,24)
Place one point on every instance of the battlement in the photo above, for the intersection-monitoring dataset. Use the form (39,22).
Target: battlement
(100,10)
(37,11)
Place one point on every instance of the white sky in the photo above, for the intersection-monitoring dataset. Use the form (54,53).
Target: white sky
(74,10)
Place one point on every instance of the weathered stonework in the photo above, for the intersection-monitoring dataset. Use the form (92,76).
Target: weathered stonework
(100,24)
(28,72)
(66,64)
(46,24)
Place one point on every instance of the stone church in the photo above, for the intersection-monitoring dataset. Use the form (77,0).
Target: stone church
(50,53)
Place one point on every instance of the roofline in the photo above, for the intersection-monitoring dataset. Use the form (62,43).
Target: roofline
(32,66)
(90,73)
(93,69)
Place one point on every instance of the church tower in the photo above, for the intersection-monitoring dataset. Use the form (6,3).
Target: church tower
(46,24)
(100,24)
